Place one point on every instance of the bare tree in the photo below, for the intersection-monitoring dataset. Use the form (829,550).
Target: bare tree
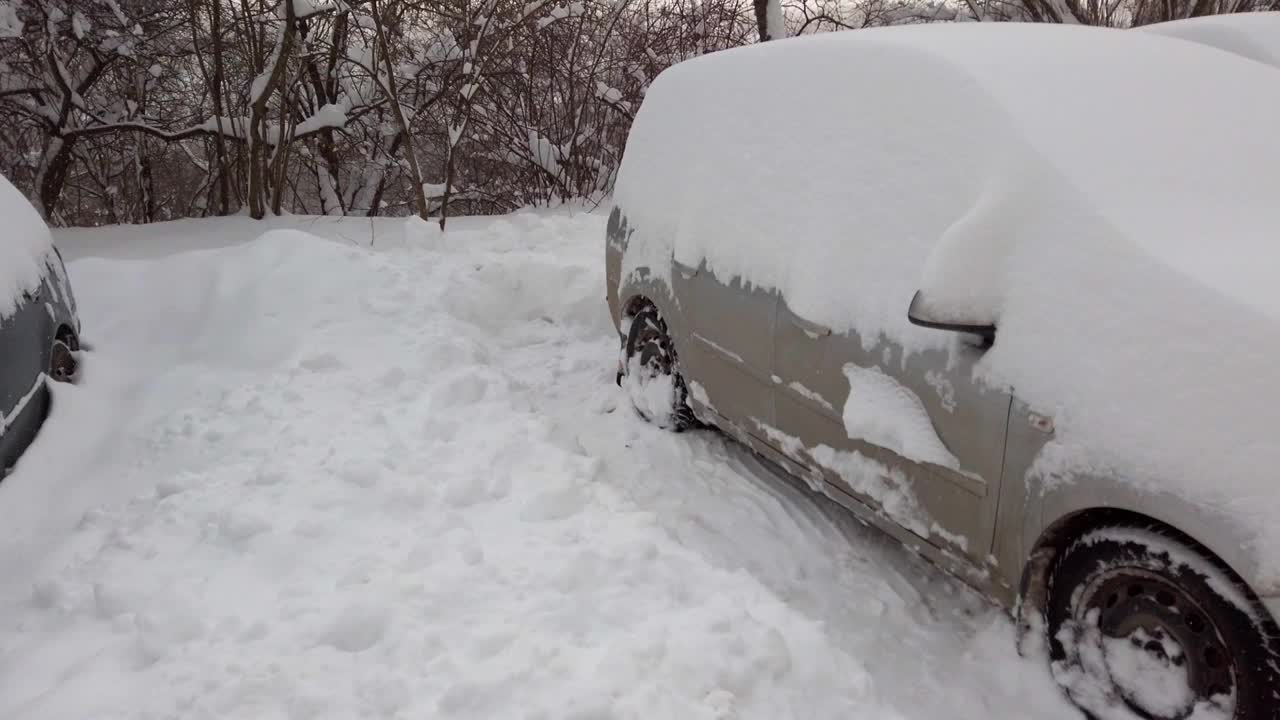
(770,20)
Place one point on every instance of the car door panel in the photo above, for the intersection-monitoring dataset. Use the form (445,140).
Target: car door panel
(953,505)
(23,358)
(729,351)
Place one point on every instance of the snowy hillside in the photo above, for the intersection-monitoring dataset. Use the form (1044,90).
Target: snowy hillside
(306,478)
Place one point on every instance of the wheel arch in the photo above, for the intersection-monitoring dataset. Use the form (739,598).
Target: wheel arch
(1069,526)
(644,288)
(634,304)
(638,299)
(68,335)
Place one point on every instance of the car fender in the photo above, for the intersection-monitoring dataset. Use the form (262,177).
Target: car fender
(626,285)
(645,285)
(1062,499)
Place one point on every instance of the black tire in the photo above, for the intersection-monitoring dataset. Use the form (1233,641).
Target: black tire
(62,360)
(1129,595)
(651,373)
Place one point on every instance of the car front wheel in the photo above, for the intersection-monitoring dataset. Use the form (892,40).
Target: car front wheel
(1142,624)
(62,360)
(651,375)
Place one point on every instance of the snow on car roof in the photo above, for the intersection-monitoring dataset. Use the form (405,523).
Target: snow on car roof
(1106,198)
(25,244)
(1255,35)
(1171,142)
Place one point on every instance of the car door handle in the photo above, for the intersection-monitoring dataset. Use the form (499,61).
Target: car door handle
(810,328)
(685,271)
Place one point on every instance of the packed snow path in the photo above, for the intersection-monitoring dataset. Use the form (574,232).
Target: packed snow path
(303,478)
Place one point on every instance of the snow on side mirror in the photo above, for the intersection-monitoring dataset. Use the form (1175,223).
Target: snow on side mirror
(921,314)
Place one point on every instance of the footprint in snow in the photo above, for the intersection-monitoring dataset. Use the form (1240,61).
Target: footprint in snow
(361,473)
(357,628)
(323,362)
(555,504)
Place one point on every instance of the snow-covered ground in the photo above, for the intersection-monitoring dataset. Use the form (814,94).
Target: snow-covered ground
(307,478)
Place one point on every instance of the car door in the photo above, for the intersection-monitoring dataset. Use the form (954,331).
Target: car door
(22,359)
(728,352)
(916,437)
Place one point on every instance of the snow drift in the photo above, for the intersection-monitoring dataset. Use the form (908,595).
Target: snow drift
(1255,35)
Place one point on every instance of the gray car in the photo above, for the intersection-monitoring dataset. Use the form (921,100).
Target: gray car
(721,275)
(38,337)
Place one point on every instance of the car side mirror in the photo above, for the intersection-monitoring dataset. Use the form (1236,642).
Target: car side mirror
(921,314)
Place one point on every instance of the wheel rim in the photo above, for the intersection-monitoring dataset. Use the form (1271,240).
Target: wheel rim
(652,350)
(62,362)
(1147,623)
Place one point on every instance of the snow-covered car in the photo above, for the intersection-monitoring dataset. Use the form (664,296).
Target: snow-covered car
(1007,292)
(39,328)
(1255,35)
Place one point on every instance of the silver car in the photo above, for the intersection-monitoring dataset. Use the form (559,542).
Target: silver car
(1144,601)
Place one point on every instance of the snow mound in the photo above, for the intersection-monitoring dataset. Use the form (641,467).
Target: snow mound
(1255,35)
(26,247)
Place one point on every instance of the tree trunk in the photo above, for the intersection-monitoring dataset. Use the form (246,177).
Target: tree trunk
(51,176)
(146,186)
(369,195)
(419,196)
(448,186)
(325,88)
(258,171)
(215,28)
(769,20)
(280,164)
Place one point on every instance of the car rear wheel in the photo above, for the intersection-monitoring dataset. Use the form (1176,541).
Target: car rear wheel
(62,360)
(1141,624)
(651,374)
